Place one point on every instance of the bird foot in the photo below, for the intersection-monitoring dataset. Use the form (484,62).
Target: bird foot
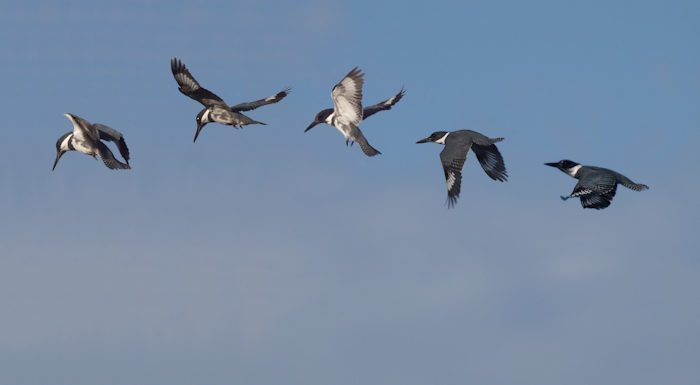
(564,198)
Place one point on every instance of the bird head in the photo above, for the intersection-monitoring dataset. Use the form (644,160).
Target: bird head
(320,118)
(436,137)
(564,165)
(202,119)
(61,148)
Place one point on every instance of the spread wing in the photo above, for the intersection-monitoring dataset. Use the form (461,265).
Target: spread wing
(108,158)
(347,97)
(190,87)
(595,192)
(491,161)
(382,106)
(82,129)
(112,135)
(453,157)
(262,102)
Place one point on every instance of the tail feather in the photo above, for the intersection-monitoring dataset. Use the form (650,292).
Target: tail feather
(636,186)
(366,147)
(251,121)
(625,181)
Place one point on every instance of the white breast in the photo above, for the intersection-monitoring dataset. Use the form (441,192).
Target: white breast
(82,146)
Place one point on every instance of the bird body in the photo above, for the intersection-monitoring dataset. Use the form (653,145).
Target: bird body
(596,186)
(215,109)
(348,112)
(85,138)
(453,156)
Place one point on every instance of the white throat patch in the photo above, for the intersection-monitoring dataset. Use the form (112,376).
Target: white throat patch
(205,116)
(442,140)
(329,118)
(573,170)
(64,144)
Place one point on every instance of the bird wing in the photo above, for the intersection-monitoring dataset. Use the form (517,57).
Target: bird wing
(381,106)
(112,135)
(491,161)
(453,157)
(108,158)
(596,191)
(84,131)
(262,102)
(189,86)
(347,97)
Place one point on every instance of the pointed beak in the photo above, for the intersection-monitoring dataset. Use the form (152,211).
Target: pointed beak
(58,156)
(426,140)
(199,129)
(552,164)
(311,126)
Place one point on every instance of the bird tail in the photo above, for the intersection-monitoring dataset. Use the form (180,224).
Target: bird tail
(636,186)
(625,181)
(366,147)
(251,121)
(243,120)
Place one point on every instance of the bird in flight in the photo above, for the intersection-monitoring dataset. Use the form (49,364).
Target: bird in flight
(347,112)
(87,138)
(453,156)
(596,186)
(215,109)
(366,112)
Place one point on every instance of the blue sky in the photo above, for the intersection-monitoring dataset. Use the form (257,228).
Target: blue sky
(267,255)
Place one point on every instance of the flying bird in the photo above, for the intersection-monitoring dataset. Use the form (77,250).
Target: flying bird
(366,112)
(453,156)
(87,138)
(596,185)
(215,109)
(347,112)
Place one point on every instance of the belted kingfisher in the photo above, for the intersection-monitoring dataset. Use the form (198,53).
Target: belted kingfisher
(86,137)
(596,185)
(216,110)
(366,112)
(347,112)
(457,144)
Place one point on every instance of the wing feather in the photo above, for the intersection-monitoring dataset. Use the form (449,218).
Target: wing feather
(189,86)
(262,102)
(596,192)
(347,97)
(383,106)
(112,135)
(108,158)
(491,161)
(452,158)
